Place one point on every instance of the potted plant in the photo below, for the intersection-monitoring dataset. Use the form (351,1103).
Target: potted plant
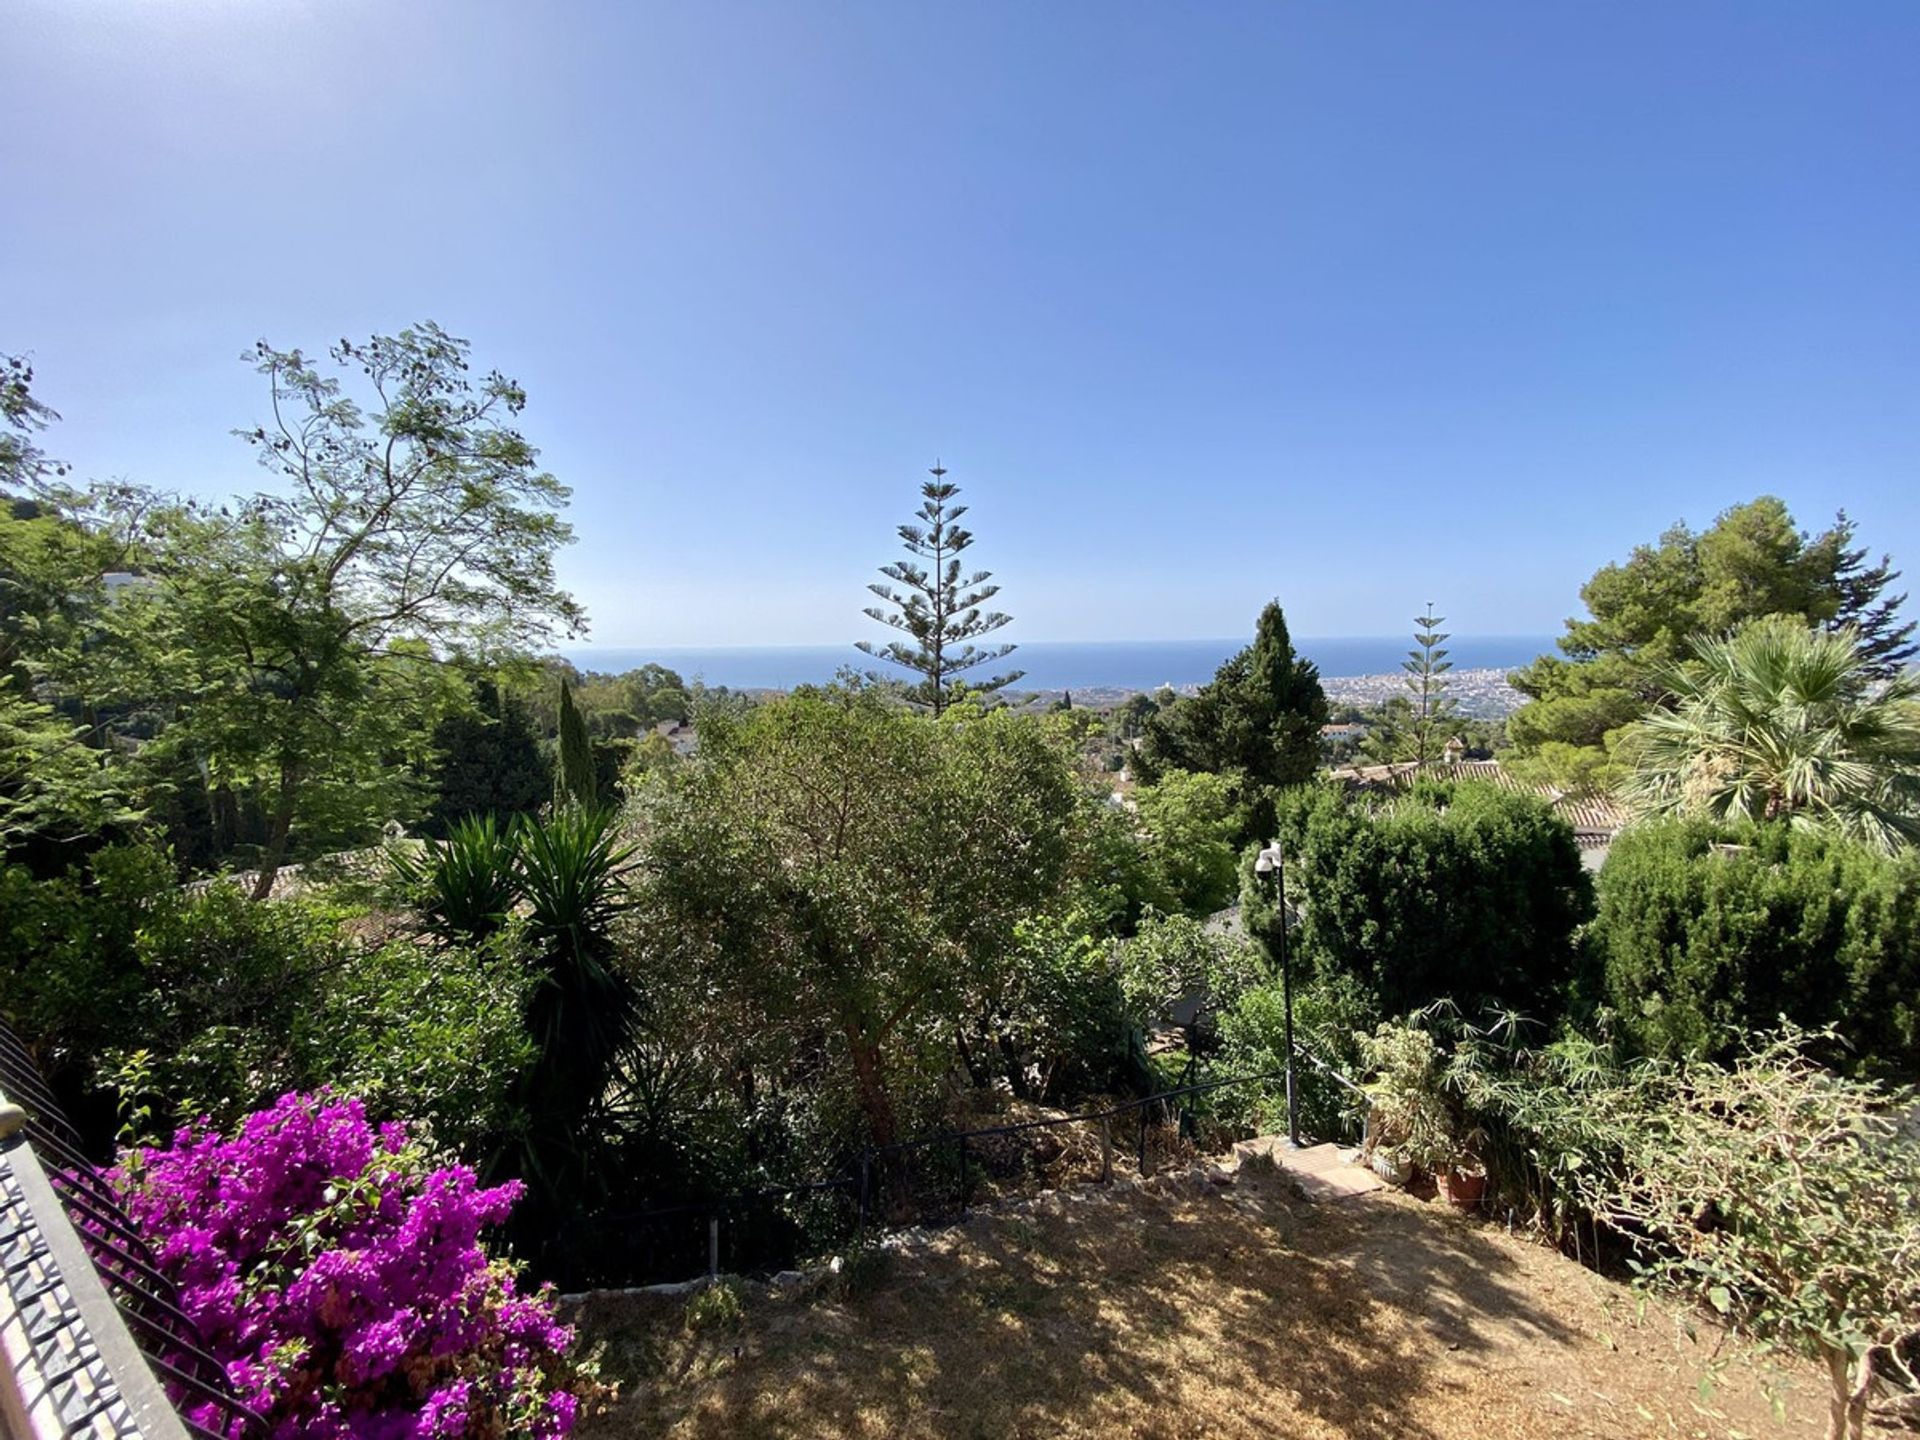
(1415,1118)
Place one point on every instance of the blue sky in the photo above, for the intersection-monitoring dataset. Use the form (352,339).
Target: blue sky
(1355,305)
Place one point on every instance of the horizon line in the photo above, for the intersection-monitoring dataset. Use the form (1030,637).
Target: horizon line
(1157,640)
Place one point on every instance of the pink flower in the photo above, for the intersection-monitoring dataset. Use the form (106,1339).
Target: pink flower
(322,1259)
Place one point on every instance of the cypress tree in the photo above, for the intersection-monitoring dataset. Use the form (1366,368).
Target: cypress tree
(937,606)
(574,782)
(491,762)
(1259,717)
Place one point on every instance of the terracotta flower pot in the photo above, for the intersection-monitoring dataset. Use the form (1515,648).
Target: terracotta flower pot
(1463,1189)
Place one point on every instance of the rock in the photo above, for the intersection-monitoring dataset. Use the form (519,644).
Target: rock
(1220,1176)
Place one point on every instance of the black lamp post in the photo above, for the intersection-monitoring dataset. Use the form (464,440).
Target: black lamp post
(1273,861)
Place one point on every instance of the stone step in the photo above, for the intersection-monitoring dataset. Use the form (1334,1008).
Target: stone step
(1323,1172)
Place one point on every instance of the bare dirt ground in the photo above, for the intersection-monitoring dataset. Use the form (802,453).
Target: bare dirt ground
(1185,1308)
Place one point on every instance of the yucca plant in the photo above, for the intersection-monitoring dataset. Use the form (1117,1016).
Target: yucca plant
(467,885)
(581,1015)
(1782,721)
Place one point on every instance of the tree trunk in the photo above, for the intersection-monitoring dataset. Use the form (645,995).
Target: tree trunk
(871,1085)
(1847,1405)
(275,854)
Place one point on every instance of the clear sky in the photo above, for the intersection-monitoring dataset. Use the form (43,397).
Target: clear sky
(1353,304)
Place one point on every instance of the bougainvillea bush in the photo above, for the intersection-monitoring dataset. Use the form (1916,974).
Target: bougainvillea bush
(338,1273)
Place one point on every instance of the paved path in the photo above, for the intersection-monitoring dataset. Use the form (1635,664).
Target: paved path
(1324,1172)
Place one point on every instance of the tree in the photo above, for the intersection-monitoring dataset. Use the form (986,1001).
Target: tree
(1885,642)
(1426,666)
(574,780)
(1258,720)
(290,641)
(1191,821)
(22,415)
(850,874)
(1782,721)
(938,607)
(490,761)
(1753,561)
(1783,1198)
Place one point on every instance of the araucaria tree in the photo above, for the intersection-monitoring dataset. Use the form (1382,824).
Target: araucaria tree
(290,646)
(937,606)
(1426,666)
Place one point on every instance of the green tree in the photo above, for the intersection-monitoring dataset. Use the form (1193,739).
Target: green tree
(23,464)
(289,642)
(1258,720)
(57,783)
(1426,666)
(937,606)
(1782,721)
(1753,561)
(489,761)
(1191,822)
(1865,606)
(848,871)
(574,778)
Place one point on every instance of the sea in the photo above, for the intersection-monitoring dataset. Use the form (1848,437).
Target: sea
(1055,664)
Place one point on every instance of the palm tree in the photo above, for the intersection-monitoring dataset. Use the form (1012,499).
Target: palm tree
(1780,721)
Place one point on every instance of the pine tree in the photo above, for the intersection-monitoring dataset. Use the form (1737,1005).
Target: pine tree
(1885,644)
(938,607)
(1426,666)
(574,781)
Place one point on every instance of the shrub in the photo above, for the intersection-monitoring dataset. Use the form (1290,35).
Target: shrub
(1176,964)
(716,1307)
(1780,1196)
(1191,821)
(1784,1198)
(1055,1022)
(1413,1105)
(1327,1013)
(340,1279)
(1707,933)
(204,1002)
(1459,892)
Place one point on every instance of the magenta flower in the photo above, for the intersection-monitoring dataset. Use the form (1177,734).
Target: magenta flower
(341,1279)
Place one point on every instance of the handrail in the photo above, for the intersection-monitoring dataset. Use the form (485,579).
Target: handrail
(94,1333)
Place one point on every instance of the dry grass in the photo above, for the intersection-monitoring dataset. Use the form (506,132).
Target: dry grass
(1182,1309)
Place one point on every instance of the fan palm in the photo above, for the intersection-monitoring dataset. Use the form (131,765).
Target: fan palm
(1780,721)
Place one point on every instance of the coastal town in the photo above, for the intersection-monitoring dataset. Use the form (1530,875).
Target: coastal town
(1481,694)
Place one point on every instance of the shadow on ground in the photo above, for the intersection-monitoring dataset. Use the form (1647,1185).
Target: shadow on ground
(1180,1309)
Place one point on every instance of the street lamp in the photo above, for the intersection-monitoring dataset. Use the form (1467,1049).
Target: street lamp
(1273,861)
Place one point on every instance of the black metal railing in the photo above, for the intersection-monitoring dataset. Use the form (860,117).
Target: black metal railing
(147,1302)
(930,1180)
